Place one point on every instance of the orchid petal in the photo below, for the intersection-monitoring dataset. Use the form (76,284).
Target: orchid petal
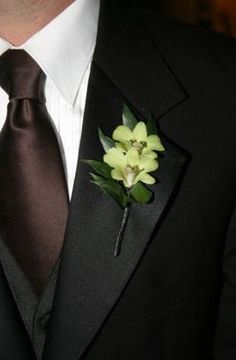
(122,133)
(154,143)
(122,147)
(147,179)
(140,131)
(115,158)
(149,153)
(139,176)
(117,174)
(148,164)
(132,157)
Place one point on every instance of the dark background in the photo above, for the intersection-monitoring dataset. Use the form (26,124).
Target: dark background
(219,15)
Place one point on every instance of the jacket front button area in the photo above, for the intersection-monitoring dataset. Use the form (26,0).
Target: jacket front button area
(44,321)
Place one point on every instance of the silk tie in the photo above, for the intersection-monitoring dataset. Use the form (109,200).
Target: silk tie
(33,194)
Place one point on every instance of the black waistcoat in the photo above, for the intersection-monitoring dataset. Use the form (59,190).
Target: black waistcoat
(35,312)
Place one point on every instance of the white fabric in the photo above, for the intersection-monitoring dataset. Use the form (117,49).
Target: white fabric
(64,50)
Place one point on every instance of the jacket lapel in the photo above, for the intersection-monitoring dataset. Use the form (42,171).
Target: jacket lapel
(129,69)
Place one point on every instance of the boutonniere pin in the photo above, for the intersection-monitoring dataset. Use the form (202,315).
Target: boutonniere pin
(131,155)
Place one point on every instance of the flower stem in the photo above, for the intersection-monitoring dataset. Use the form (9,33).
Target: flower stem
(121,232)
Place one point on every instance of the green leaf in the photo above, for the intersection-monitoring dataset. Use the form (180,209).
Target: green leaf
(100,167)
(141,194)
(129,118)
(107,142)
(152,126)
(112,188)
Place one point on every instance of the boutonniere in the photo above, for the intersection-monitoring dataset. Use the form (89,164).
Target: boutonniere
(125,173)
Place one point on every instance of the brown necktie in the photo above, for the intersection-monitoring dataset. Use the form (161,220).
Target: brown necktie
(33,194)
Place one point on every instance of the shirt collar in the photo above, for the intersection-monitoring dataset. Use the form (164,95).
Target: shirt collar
(71,38)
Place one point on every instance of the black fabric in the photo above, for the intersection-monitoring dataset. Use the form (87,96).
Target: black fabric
(160,299)
(35,313)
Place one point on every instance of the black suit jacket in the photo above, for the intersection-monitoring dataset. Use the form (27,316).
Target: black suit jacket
(172,285)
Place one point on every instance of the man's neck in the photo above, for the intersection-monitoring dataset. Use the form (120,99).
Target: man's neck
(19,20)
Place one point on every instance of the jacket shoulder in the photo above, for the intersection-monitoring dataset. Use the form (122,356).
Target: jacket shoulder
(190,42)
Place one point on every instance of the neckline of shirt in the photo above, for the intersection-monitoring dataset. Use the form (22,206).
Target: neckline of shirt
(71,39)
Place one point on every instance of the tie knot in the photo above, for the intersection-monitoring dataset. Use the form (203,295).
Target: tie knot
(20,76)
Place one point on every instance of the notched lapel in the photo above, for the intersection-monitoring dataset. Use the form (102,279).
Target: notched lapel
(91,280)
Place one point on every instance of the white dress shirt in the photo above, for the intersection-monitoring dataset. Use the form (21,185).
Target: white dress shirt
(64,49)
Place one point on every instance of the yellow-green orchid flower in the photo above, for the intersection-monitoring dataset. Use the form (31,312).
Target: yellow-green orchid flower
(129,167)
(137,139)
